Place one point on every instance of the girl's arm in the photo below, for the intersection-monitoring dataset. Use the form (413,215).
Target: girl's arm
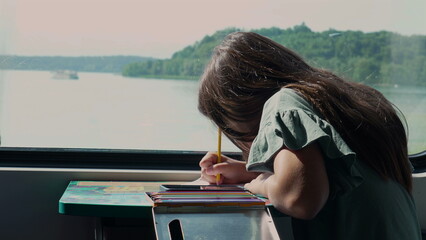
(299,185)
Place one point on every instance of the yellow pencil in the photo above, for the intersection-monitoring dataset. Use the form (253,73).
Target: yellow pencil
(219,145)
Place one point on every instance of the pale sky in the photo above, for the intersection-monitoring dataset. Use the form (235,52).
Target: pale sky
(158,28)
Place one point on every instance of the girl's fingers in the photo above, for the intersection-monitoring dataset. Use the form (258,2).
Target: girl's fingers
(228,169)
(209,178)
(208,160)
(219,168)
(221,179)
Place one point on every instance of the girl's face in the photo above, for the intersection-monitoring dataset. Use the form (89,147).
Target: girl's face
(245,148)
(242,127)
(243,145)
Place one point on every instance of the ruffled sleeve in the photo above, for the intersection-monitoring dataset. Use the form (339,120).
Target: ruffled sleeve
(289,121)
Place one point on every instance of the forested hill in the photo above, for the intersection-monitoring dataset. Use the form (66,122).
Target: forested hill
(113,64)
(375,57)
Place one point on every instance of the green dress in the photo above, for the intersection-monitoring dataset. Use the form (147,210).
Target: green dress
(361,205)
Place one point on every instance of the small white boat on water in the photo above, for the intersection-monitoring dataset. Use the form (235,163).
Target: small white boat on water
(65,74)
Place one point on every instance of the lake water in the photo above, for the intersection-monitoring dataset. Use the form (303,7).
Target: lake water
(111,111)
(103,111)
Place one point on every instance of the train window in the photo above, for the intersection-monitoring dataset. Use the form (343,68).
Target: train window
(122,74)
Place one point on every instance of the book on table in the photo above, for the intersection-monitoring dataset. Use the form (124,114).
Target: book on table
(134,198)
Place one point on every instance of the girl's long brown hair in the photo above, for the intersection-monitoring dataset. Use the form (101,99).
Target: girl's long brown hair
(247,69)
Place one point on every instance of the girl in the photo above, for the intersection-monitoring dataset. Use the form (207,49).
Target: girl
(324,150)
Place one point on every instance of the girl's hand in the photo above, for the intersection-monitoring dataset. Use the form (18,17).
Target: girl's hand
(231,171)
(258,185)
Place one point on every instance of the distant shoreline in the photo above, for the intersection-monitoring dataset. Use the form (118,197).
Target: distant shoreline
(112,64)
(159,77)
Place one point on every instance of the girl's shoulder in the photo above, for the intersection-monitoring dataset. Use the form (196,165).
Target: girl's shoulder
(289,121)
(287,99)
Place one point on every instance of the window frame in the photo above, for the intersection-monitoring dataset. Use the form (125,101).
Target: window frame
(83,158)
(102,158)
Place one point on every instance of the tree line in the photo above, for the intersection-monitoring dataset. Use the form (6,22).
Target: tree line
(382,57)
(113,64)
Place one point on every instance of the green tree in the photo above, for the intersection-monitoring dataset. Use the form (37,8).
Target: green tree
(374,58)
